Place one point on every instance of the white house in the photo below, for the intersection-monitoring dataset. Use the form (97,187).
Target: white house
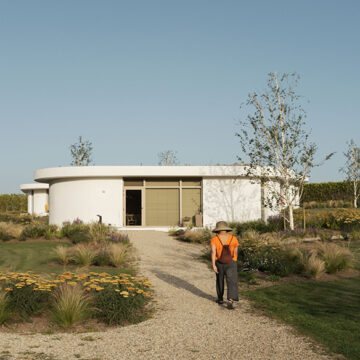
(37,197)
(152,196)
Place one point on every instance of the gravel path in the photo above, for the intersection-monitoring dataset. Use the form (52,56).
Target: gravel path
(187,323)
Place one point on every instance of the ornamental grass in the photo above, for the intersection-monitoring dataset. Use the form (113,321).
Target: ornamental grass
(313,265)
(62,255)
(335,257)
(71,304)
(117,254)
(83,255)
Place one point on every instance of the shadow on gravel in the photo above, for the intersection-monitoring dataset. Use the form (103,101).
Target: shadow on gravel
(181,284)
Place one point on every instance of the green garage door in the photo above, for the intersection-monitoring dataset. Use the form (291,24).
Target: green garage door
(162,207)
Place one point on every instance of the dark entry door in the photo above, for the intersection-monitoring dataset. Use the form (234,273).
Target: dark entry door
(133,207)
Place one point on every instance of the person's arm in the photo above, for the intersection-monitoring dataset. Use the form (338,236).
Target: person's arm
(236,252)
(213,256)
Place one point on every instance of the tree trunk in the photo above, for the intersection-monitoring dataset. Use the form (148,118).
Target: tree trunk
(291,217)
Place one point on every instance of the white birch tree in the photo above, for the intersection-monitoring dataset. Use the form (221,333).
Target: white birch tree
(275,142)
(167,158)
(352,169)
(81,153)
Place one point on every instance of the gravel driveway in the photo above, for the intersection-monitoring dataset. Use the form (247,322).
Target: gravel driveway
(187,324)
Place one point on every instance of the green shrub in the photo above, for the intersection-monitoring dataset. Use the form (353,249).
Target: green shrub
(322,192)
(70,305)
(79,237)
(199,236)
(33,231)
(71,230)
(102,257)
(4,236)
(25,302)
(5,311)
(119,307)
(266,258)
(50,232)
(274,224)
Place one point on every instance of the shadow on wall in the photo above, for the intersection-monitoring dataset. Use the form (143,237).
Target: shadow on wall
(182,284)
(237,198)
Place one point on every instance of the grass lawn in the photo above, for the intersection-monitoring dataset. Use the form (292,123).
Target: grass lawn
(37,257)
(329,312)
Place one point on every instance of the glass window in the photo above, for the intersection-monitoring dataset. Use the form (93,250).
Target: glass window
(162,182)
(191,202)
(162,207)
(133,182)
(191,182)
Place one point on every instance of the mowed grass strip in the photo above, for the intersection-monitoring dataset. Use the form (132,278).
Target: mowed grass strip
(38,257)
(328,312)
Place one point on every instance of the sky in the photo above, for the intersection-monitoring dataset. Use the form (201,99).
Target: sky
(139,77)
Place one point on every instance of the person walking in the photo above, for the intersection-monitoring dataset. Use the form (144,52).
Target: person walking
(224,250)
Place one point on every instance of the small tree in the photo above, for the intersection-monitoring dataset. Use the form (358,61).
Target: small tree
(168,157)
(352,169)
(81,153)
(274,139)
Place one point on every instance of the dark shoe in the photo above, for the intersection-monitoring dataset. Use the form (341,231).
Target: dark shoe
(218,301)
(230,305)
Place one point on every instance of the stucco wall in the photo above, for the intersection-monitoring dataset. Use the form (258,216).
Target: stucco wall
(39,201)
(86,198)
(230,200)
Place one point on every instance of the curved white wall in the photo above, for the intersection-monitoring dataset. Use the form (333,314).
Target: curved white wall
(86,198)
(39,201)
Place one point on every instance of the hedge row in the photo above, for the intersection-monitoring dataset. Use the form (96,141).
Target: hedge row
(13,202)
(341,190)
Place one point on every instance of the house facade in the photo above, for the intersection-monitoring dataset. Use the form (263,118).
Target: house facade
(153,196)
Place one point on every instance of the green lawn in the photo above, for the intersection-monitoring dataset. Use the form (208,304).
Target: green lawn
(329,312)
(37,257)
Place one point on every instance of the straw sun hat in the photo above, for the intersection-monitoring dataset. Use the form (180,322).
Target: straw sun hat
(222,226)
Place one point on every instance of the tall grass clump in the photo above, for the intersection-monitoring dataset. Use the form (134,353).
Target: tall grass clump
(70,305)
(12,230)
(313,265)
(335,257)
(117,254)
(98,232)
(62,255)
(83,255)
(5,311)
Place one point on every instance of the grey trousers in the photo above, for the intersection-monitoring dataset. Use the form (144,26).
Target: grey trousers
(230,272)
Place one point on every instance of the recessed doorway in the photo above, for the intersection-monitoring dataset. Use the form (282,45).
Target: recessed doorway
(133,207)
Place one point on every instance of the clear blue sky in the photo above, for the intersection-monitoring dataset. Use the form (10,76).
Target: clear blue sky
(138,77)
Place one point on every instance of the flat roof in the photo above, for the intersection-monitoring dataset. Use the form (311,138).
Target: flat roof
(48,174)
(34,186)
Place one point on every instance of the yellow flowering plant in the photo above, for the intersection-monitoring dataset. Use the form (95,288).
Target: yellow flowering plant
(125,294)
